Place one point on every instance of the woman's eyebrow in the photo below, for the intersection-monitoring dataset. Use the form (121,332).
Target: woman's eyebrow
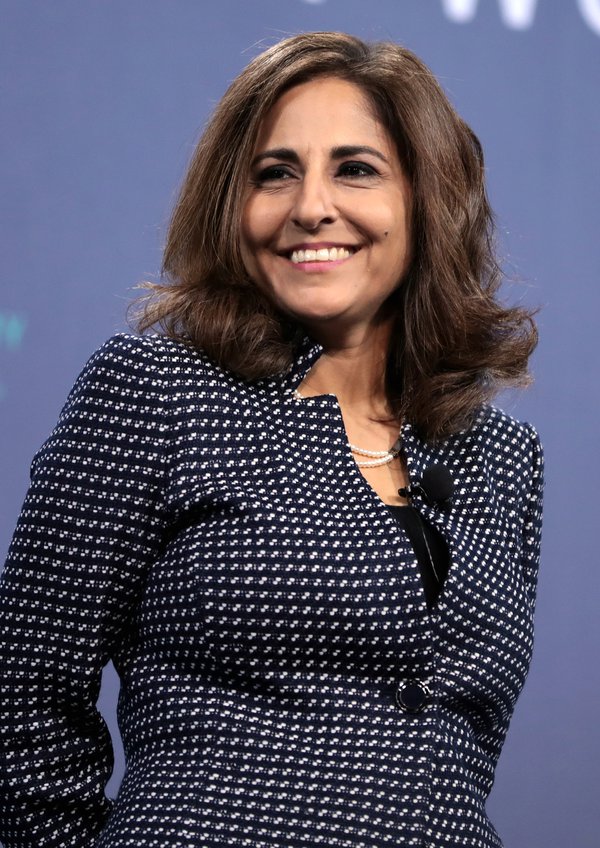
(284,153)
(343,151)
(346,150)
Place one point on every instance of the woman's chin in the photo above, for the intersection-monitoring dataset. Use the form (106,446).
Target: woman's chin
(318,310)
(321,318)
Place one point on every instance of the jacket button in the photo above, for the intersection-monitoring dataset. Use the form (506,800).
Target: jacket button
(412,696)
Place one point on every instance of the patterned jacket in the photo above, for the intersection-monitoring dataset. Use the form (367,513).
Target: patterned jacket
(265,614)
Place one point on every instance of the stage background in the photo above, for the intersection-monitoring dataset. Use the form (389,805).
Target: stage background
(101,104)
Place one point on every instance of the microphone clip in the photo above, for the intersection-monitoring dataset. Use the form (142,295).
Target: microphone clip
(407,491)
(435,487)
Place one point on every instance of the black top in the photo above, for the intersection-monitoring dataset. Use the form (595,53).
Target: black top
(430,549)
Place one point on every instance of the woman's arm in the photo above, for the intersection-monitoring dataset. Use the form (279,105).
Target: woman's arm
(523,481)
(532,517)
(90,526)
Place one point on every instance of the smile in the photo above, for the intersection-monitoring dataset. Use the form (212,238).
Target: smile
(323,254)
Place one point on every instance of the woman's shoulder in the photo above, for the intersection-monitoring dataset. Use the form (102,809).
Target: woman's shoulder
(510,448)
(155,358)
(133,372)
(501,431)
(153,350)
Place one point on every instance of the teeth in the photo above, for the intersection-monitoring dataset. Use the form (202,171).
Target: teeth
(324,254)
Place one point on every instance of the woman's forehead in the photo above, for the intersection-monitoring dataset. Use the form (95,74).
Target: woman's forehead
(327,111)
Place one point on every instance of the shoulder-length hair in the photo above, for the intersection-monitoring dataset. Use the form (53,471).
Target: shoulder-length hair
(454,345)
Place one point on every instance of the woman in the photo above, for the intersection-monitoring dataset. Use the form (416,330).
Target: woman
(292,521)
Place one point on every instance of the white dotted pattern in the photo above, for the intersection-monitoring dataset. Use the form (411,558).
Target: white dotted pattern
(261,606)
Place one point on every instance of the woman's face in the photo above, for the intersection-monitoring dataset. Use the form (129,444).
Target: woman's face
(326,223)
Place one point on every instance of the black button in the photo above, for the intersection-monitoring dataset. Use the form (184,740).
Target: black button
(412,695)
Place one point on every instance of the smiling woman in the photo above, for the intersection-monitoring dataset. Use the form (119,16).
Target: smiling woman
(452,344)
(325,228)
(292,520)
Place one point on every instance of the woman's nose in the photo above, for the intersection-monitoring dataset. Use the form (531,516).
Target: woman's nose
(313,203)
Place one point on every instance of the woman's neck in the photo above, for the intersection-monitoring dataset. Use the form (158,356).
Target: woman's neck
(353,369)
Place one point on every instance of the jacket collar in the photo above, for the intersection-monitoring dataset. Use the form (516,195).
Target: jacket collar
(306,355)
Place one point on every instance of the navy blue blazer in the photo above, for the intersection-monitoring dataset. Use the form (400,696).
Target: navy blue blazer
(283,682)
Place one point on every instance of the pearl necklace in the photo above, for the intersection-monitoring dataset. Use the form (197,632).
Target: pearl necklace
(382,457)
(377,457)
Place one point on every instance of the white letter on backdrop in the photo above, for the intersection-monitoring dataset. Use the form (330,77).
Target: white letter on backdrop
(590,10)
(460,11)
(516,14)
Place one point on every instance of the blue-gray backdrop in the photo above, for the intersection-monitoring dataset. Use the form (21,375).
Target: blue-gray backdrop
(101,103)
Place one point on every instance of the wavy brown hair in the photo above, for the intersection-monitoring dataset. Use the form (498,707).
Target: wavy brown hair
(454,343)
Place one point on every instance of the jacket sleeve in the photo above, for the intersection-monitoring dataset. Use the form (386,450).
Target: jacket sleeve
(532,516)
(91,523)
(530,460)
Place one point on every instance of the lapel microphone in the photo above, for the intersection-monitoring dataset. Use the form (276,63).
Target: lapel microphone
(436,486)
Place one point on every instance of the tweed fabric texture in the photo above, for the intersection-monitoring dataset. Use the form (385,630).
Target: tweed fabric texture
(262,607)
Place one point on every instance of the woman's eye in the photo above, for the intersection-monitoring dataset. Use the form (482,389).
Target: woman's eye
(273,173)
(356,169)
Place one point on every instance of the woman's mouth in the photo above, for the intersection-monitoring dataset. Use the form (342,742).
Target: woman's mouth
(322,254)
